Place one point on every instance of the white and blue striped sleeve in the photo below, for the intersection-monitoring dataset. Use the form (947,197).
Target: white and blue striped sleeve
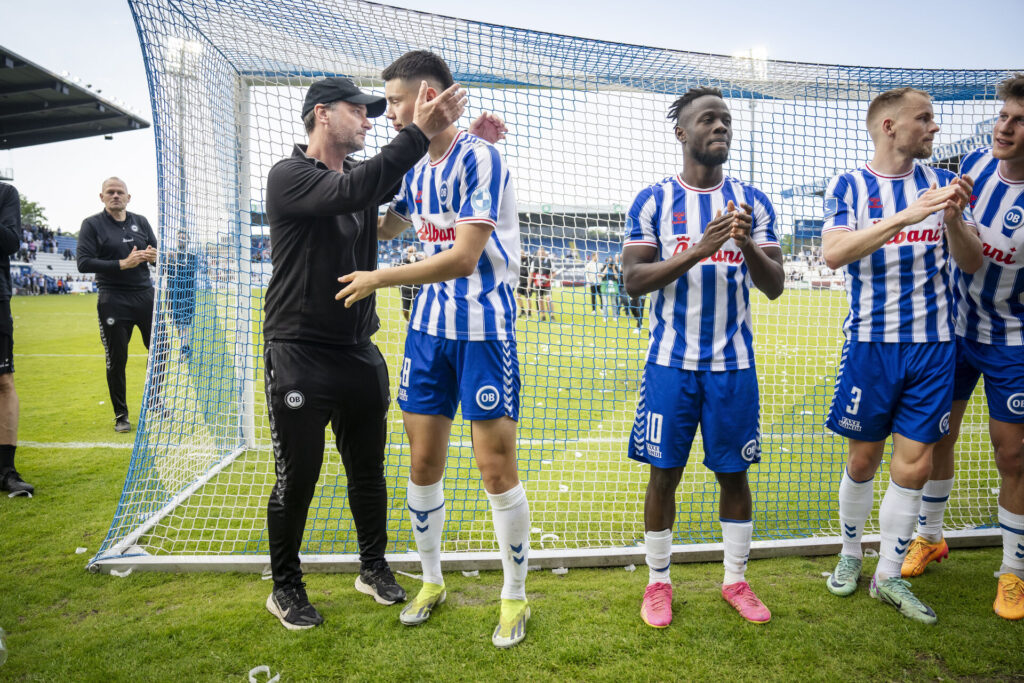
(837,205)
(763,229)
(966,168)
(400,204)
(483,183)
(640,227)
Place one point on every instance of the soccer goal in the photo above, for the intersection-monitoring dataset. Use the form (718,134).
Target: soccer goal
(588,129)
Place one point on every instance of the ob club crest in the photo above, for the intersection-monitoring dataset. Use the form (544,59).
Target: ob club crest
(1015,404)
(487,397)
(751,451)
(1013,218)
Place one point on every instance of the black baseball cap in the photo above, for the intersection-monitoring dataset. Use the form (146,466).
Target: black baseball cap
(336,88)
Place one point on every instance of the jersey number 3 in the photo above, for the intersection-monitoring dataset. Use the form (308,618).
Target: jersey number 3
(854,406)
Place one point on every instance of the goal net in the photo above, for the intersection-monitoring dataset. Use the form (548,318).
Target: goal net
(588,130)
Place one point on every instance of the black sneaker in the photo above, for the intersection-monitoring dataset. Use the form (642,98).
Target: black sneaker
(376,579)
(122,425)
(12,481)
(292,607)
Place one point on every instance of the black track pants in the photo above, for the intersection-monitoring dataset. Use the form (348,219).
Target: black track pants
(308,387)
(119,312)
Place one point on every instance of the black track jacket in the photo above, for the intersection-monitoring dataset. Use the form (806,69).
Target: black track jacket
(323,224)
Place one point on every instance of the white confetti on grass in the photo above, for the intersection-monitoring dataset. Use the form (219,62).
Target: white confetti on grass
(264,670)
(417,577)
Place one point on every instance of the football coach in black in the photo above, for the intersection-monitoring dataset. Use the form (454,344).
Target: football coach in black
(119,247)
(320,366)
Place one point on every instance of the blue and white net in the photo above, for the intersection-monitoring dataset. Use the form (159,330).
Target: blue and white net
(587,131)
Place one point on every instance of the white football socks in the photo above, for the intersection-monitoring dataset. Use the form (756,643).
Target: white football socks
(896,518)
(856,499)
(736,539)
(426,511)
(935,495)
(1012,527)
(658,545)
(511,514)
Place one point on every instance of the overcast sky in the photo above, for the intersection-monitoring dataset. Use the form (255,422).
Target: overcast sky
(96,41)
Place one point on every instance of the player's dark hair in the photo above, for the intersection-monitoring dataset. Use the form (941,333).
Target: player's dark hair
(884,100)
(1012,88)
(684,100)
(419,65)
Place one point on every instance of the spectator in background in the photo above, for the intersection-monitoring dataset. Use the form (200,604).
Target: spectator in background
(610,285)
(182,269)
(592,276)
(409,292)
(10,225)
(542,272)
(622,305)
(523,290)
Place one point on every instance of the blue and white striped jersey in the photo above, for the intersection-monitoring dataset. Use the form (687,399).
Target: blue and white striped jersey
(902,292)
(469,184)
(990,302)
(702,320)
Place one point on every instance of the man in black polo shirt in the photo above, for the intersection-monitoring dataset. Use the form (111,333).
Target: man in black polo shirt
(10,240)
(320,365)
(118,246)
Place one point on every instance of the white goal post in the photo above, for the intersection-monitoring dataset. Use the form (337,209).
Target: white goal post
(588,130)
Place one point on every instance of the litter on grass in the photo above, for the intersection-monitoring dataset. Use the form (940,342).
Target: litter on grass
(264,670)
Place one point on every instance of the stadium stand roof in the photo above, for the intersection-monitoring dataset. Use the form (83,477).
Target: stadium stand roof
(38,106)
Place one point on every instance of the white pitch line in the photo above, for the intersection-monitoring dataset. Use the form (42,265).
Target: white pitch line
(76,444)
(72,355)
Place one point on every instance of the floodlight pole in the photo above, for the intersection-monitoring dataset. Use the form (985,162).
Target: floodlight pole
(181,52)
(757,61)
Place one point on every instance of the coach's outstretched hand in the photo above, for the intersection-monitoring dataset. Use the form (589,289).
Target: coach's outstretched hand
(433,116)
(360,284)
(489,127)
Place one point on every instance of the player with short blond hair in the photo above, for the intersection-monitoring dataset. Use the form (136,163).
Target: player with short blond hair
(893,225)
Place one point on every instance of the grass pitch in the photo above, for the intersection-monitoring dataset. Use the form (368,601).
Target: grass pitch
(580,375)
(67,624)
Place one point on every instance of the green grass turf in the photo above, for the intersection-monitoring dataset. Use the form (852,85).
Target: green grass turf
(580,376)
(68,624)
